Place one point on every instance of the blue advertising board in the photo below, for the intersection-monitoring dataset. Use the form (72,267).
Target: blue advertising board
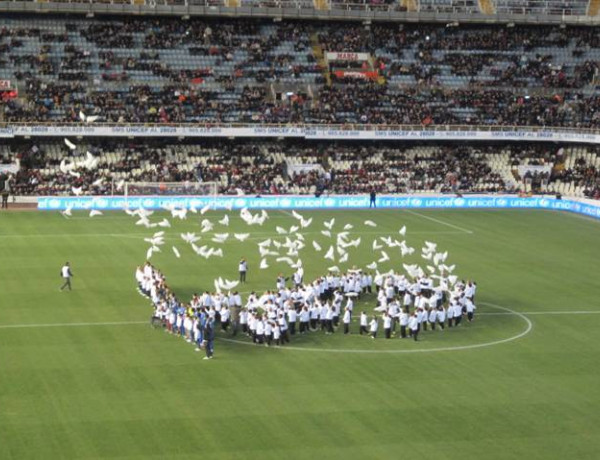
(283,202)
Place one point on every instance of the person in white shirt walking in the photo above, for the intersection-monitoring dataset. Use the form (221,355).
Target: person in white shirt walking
(66,274)
(387,325)
(346,320)
(413,324)
(363,323)
(374,326)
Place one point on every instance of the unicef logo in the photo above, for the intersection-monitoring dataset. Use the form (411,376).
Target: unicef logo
(285,203)
(148,203)
(102,203)
(416,202)
(459,202)
(329,202)
(240,203)
(54,204)
(544,203)
(501,202)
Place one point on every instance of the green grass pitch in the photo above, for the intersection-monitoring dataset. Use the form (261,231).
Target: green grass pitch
(125,390)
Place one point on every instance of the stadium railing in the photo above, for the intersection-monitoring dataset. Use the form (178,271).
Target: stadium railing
(303,9)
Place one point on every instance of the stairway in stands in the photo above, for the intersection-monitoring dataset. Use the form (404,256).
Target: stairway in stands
(487,6)
(410,5)
(320,56)
(593,8)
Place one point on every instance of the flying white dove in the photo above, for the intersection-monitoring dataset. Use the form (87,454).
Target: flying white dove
(228,285)
(348,227)
(98,183)
(67,212)
(90,162)
(384,257)
(164,223)
(329,224)
(77,191)
(326,233)
(372,266)
(190,237)
(205,209)
(335,268)
(330,254)
(149,253)
(87,118)
(431,269)
(297,216)
(120,184)
(293,229)
(179,213)
(263,264)
(74,173)
(316,246)
(281,230)
(143,221)
(402,231)
(95,212)
(344,258)
(277,244)
(224,220)
(239,192)
(370,223)
(241,236)
(306,223)
(70,144)
(430,246)
(427,256)
(287,260)
(376,245)
(265,243)
(176,252)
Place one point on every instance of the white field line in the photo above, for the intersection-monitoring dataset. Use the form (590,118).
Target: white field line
(447,224)
(110,323)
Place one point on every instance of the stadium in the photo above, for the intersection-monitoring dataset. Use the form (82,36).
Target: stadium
(243,229)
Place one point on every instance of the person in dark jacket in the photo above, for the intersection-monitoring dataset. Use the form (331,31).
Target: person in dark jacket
(209,339)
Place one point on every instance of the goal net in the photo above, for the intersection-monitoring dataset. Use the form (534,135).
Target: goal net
(171,189)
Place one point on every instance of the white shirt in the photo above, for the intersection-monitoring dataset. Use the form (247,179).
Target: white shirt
(387,322)
(374,325)
(413,323)
(363,319)
(66,271)
(346,317)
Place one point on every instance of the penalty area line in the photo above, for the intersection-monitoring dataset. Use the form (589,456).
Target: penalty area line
(433,219)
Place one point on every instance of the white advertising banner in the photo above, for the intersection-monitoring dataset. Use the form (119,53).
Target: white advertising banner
(331,56)
(320,132)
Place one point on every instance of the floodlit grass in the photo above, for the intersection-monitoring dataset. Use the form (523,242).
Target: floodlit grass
(130,391)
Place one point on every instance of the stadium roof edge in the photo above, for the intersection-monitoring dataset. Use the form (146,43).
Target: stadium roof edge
(152,9)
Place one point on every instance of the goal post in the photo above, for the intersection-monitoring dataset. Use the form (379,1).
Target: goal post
(188,188)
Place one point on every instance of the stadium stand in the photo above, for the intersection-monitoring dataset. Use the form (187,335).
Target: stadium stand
(301,167)
(232,71)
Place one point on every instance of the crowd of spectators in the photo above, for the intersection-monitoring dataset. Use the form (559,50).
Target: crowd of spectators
(268,167)
(148,70)
(257,168)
